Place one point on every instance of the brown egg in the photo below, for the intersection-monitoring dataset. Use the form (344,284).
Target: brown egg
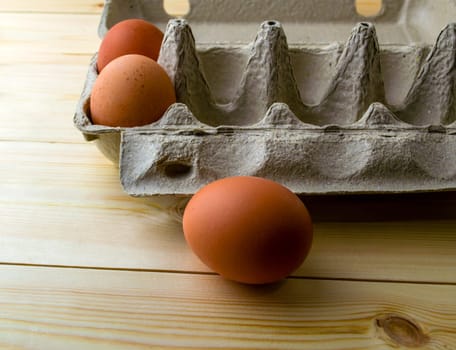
(131,36)
(248,229)
(132,90)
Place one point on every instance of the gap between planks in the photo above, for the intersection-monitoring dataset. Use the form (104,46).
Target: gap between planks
(209,273)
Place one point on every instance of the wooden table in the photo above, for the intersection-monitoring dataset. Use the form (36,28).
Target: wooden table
(83,265)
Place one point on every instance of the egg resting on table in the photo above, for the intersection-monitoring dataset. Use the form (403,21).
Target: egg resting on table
(248,229)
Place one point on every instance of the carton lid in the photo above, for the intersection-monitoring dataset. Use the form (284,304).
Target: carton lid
(310,21)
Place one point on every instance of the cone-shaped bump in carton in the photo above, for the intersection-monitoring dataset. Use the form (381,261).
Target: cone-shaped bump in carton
(431,100)
(357,81)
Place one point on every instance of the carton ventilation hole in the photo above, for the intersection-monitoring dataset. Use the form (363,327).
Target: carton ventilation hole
(177,170)
(368,8)
(176,8)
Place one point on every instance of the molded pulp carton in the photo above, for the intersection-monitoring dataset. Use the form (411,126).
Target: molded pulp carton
(298,103)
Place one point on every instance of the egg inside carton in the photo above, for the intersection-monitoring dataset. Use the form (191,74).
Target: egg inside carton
(349,139)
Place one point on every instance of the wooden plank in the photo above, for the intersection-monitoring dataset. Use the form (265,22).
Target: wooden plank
(53,6)
(48,308)
(62,204)
(36,108)
(44,58)
(27,37)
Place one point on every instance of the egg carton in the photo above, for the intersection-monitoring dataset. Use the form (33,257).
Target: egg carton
(318,118)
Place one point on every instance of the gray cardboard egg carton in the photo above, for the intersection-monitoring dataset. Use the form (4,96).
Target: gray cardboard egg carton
(349,117)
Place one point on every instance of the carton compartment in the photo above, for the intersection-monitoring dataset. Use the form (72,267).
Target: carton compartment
(353,81)
(235,86)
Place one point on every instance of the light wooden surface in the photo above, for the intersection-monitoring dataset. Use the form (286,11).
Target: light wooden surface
(84,266)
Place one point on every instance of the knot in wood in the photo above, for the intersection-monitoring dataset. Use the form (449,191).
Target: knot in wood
(402,331)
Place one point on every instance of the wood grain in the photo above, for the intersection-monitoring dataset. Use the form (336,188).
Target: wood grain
(53,6)
(75,309)
(30,38)
(44,58)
